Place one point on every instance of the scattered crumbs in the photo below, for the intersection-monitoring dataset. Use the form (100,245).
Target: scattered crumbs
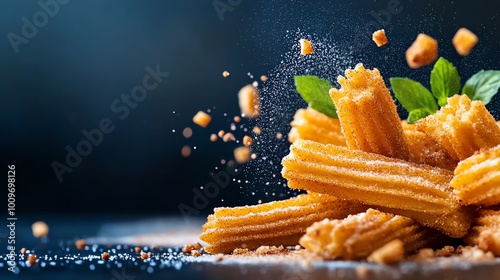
(263,78)
(240,251)
(221,133)
(137,250)
(253,156)
(144,256)
(40,229)
(255,84)
(362,271)
(32,259)
(379,38)
(446,251)
(187,132)
(279,136)
(213,137)
(188,248)
(195,253)
(249,101)
(270,250)
(247,141)
(237,119)
(105,256)
(225,74)
(186,151)
(305,47)
(228,137)
(202,119)
(23,251)
(80,244)
(257,130)
(218,258)
(242,154)
(233,127)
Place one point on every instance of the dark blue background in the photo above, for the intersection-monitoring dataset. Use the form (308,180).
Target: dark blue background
(66,77)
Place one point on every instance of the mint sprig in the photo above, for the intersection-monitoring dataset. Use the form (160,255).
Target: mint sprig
(315,91)
(445,82)
(483,85)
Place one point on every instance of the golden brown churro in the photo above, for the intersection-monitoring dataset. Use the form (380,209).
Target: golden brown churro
(462,127)
(477,178)
(424,149)
(368,115)
(418,191)
(358,236)
(312,125)
(485,231)
(273,224)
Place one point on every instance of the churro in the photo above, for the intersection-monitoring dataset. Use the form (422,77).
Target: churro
(477,178)
(485,231)
(273,224)
(312,125)
(358,236)
(462,127)
(368,115)
(418,191)
(424,149)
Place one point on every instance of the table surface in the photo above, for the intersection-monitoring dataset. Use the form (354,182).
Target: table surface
(58,257)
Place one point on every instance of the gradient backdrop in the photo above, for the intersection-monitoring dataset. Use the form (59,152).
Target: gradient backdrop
(66,76)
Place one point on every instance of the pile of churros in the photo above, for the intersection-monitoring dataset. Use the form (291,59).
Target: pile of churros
(377,187)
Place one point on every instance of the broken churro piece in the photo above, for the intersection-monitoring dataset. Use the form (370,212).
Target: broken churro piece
(392,252)
(249,101)
(202,119)
(422,52)
(462,127)
(477,178)
(379,38)
(464,40)
(312,125)
(368,115)
(358,236)
(418,191)
(305,47)
(272,224)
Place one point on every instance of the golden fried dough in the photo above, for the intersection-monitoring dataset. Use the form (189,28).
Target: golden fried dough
(368,115)
(418,191)
(312,125)
(273,224)
(462,127)
(358,236)
(424,149)
(477,178)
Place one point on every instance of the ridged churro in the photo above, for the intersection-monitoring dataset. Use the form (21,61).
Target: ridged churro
(477,178)
(273,224)
(312,125)
(418,191)
(358,236)
(368,115)
(424,149)
(462,127)
(485,231)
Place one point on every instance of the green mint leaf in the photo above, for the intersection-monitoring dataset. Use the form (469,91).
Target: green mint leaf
(315,91)
(418,114)
(483,85)
(413,95)
(445,81)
